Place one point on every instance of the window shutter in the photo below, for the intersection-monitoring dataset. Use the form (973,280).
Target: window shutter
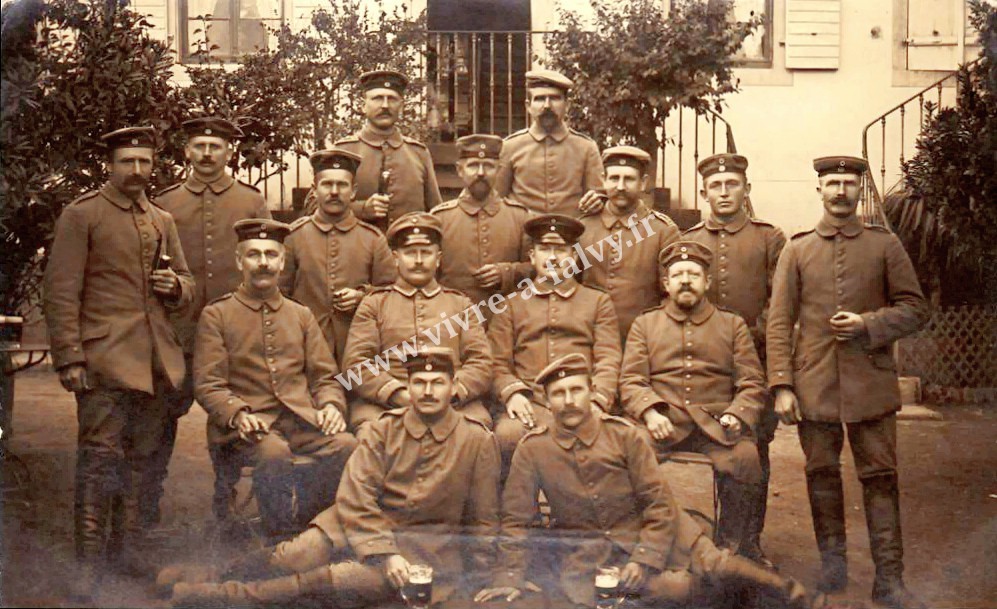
(813,34)
(158,15)
(933,34)
(301,13)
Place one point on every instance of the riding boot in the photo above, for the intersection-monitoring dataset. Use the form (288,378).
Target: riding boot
(136,557)
(253,593)
(90,516)
(756,514)
(737,502)
(827,507)
(739,573)
(882,514)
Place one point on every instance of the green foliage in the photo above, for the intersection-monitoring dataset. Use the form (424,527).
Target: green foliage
(91,68)
(636,64)
(947,217)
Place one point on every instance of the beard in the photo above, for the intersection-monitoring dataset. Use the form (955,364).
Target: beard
(548,121)
(479,189)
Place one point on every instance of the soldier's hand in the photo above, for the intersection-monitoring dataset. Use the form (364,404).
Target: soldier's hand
(331,421)
(377,206)
(787,406)
(346,299)
(400,399)
(659,425)
(632,577)
(519,407)
(732,424)
(74,378)
(250,426)
(488,276)
(396,570)
(489,594)
(847,326)
(165,282)
(591,202)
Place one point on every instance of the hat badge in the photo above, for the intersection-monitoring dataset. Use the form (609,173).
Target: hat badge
(263,235)
(207,131)
(387,85)
(685,256)
(416,230)
(482,146)
(481,154)
(623,161)
(335,165)
(721,161)
(134,141)
(429,366)
(560,374)
(683,249)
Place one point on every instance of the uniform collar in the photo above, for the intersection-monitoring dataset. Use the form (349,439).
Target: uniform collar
(254,303)
(429,290)
(472,206)
(377,140)
(539,134)
(852,227)
(441,429)
(731,227)
(564,289)
(610,218)
(701,313)
(586,433)
(120,199)
(195,185)
(349,221)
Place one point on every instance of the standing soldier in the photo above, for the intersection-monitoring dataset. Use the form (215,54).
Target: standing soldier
(484,246)
(115,269)
(747,250)
(853,291)
(333,259)
(692,378)
(549,167)
(415,312)
(396,175)
(265,376)
(551,318)
(629,236)
(204,206)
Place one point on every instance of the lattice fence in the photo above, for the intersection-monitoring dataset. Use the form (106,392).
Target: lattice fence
(958,348)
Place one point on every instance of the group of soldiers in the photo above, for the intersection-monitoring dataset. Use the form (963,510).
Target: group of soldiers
(441,369)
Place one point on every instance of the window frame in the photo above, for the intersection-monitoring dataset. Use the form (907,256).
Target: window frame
(184,51)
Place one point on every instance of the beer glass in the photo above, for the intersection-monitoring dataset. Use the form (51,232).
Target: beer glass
(418,593)
(607,587)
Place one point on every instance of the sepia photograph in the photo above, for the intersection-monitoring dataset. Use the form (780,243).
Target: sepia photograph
(498,304)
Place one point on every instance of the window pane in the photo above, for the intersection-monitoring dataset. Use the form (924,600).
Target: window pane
(245,32)
(255,18)
(753,48)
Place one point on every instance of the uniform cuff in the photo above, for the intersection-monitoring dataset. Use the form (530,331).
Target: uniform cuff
(874,330)
(68,357)
(509,579)
(512,388)
(330,397)
(387,390)
(780,378)
(375,547)
(649,557)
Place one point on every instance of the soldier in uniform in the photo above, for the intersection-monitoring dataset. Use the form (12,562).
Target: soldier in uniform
(396,174)
(485,250)
(550,168)
(115,270)
(264,374)
(393,322)
(333,259)
(422,488)
(609,507)
(624,238)
(853,291)
(747,250)
(692,378)
(204,206)
(548,319)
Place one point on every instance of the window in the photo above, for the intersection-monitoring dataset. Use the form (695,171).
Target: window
(756,51)
(938,34)
(229,28)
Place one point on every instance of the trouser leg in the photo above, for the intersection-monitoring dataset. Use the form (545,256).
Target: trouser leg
(822,444)
(273,484)
(178,403)
(316,482)
(509,432)
(756,520)
(739,474)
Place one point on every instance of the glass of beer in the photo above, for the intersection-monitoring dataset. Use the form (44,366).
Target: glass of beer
(607,587)
(419,591)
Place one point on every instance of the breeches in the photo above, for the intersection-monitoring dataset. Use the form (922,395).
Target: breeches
(873,444)
(740,461)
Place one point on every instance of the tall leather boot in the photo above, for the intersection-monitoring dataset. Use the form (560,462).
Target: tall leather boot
(827,507)
(137,554)
(273,485)
(881,497)
(90,514)
(253,593)
(738,572)
(756,514)
(737,502)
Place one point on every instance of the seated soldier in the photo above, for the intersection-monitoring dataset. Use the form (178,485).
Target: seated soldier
(558,317)
(265,375)
(610,507)
(692,377)
(422,488)
(415,312)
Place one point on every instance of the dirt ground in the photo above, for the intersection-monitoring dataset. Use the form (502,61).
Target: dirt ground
(948,486)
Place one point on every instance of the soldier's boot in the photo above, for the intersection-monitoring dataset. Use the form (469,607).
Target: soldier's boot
(881,497)
(137,553)
(258,593)
(756,515)
(90,514)
(827,507)
(255,564)
(274,488)
(737,503)
(740,573)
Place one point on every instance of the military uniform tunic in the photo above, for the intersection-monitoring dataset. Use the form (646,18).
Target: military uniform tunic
(412,184)
(549,173)
(204,215)
(855,268)
(476,234)
(322,258)
(406,319)
(608,500)
(745,255)
(633,277)
(99,304)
